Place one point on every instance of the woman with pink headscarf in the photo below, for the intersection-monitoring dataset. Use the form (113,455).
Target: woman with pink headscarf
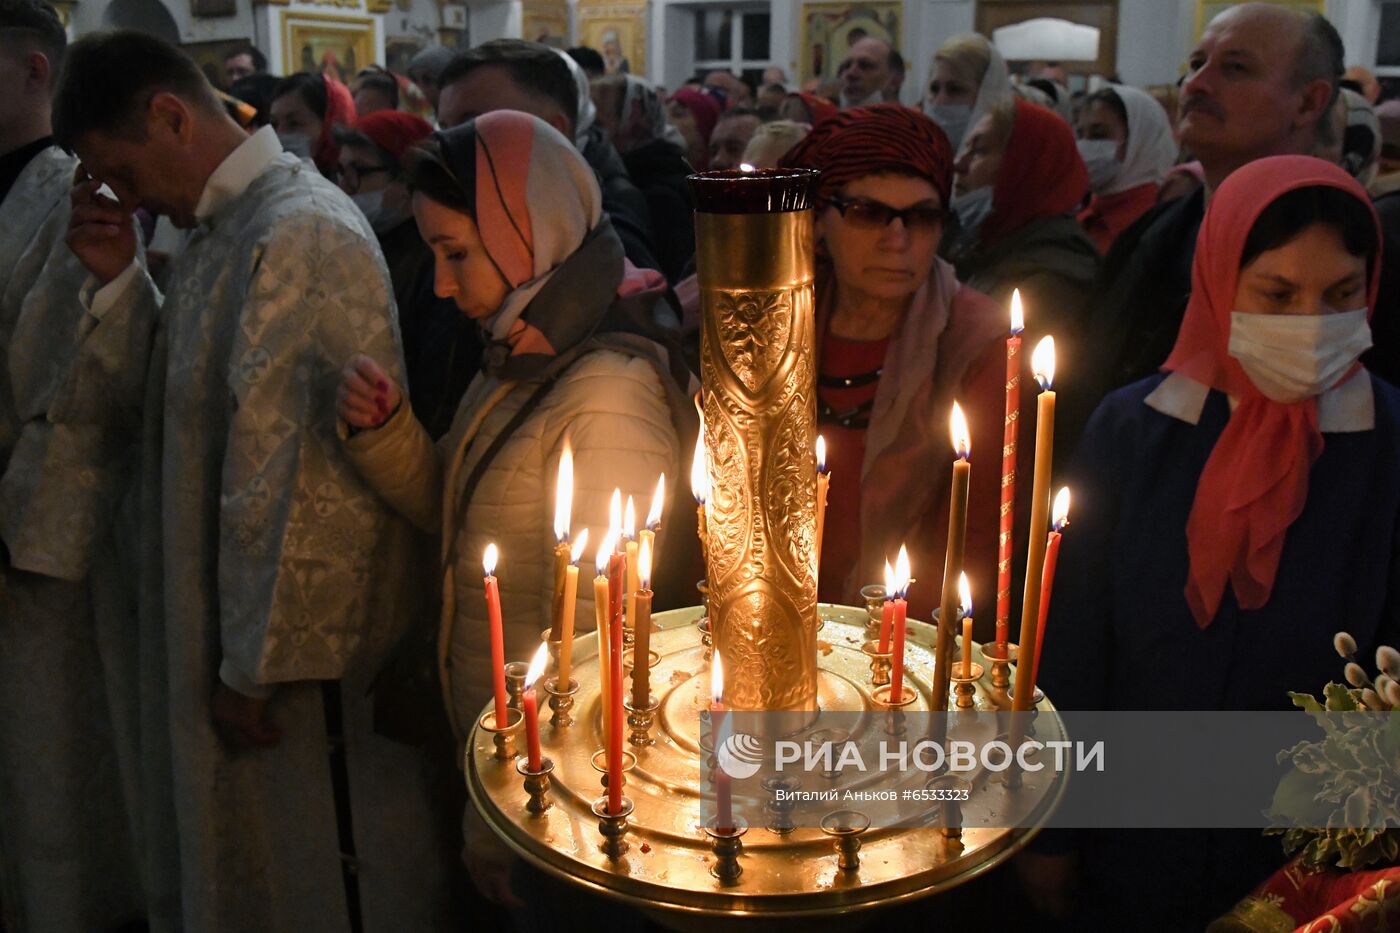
(1233,512)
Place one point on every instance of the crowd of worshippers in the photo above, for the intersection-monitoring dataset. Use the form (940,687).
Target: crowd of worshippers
(282,359)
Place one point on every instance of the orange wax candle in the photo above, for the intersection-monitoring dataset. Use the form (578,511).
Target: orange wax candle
(965,604)
(823,485)
(1008,469)
(615,716)
(1043,362)
(641,627)
(953,561)
(566,626)
(601,608)
(563,508)
(498,643)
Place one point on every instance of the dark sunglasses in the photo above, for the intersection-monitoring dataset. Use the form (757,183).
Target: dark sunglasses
(876,215)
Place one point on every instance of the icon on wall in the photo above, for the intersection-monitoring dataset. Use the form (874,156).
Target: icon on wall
(830,29)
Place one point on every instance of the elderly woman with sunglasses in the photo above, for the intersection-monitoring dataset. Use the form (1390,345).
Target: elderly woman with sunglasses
(899,340)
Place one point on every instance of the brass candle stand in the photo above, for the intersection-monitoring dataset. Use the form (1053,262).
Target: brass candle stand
(561,701)
(658,854)
(536,784)
(846,827)
(727,845)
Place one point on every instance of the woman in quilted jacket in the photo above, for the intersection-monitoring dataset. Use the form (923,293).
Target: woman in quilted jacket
(580,349)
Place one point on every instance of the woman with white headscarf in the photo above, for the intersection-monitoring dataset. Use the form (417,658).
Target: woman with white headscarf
(967,79)
(1127,146)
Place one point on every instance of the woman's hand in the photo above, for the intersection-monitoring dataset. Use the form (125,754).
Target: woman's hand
(367,396)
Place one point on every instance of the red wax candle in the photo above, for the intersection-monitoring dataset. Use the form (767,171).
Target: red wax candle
(886,620)
(897,671)
(530,706)
(724,792)
(498,643)
(1008,468)
(1060,513)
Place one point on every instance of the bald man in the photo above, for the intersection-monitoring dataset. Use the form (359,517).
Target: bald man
(871,72)
(1259,83)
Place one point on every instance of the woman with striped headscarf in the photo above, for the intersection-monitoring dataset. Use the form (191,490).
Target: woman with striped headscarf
(899,339)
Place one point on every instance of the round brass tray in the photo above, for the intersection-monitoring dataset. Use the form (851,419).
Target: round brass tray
(667,866)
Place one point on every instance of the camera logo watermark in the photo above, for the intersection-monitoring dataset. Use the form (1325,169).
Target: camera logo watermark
(740,756)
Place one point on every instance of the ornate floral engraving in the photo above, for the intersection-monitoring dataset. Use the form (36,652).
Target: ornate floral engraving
(754,330)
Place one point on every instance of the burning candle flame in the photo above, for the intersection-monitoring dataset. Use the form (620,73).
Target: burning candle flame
(962,437)
(615,513)
(579,544)
(717,678)
(821,454)
(605,551)
(699,475)
(964,595)
(745,167)
(1060,510)
(537,664)
(629,522)
(889,580)
(1043,362)
(564,494)
(658,501)
(488,560)
(644,565)
(903,574)
(1018,318)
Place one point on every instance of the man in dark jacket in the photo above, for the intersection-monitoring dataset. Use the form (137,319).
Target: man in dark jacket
(513,74)
(1259,83)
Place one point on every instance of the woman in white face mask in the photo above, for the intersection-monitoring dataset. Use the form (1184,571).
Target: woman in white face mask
(1127,146)
(1232,514)
(967,79)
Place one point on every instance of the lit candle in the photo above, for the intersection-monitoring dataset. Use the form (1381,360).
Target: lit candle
(563,507)
(887,612)
(1047,577)
(615,716)
(953,561)
(641,644)
(700,489)
(658,503)
(724,802)
(1008,470)
(1043,364)
(965,606)
(498,642)
(902,577)
(823,485)
(566,626)
(629,531)
(531,708)
(601,606)
(617,563)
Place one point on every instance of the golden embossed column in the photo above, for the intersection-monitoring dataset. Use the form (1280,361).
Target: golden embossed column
(754,257)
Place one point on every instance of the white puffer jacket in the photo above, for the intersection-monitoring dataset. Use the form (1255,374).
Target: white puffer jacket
(612,409)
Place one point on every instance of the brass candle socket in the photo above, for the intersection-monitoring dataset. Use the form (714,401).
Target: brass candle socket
(953,788)
(653,659)
(536,784)
(613,826)
(874,596)
(600,764)
(554,644)
(639,721)
(781,807)
(1001,663)
(846,827)
(561,701)
(727,847)
(879,661)
(965,688)
(882,696)
(516,672)
(504,737)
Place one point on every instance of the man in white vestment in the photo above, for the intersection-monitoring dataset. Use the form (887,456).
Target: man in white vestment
(266,576)
(68,858)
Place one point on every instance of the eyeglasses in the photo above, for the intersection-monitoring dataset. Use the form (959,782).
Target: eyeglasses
(876,215)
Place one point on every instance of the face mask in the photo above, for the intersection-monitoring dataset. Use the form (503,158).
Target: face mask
(298,144)
(952,119)
(382,219)
(1101,159)
(973,209)
(1290,357)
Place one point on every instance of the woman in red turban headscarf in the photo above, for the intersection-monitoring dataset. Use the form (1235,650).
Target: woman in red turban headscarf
(899,339)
